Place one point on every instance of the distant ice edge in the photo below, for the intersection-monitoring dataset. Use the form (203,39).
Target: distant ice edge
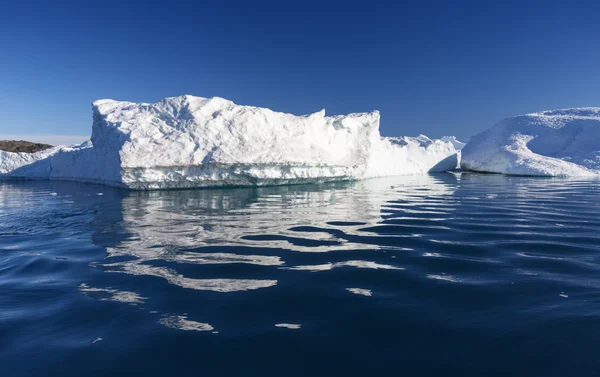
(189,142)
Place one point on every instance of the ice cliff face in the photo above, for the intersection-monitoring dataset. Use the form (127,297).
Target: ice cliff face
(34,165)
(549,143)
(196,142)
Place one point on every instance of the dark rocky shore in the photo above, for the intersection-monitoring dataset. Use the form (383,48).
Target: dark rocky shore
(22,146)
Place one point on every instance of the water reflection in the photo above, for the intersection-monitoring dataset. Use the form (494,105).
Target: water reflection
(137,267)
(181,322)
(360,291)
(350,263)
(290,326)
(413,260)
(107,294)
(232,240)
(300,218)
(254,224)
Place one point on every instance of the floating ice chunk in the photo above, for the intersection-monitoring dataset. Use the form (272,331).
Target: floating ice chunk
(549,143)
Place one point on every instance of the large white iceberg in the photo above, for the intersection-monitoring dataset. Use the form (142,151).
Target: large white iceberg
(190,141)
(549,143)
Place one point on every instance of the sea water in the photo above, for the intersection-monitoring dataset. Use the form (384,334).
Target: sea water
(438,275)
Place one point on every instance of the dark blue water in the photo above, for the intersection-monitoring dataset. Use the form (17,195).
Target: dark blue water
(447,275)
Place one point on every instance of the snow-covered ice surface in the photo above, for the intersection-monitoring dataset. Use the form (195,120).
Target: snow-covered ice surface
(191,141)
(549,143)
(34,165)
(458,145)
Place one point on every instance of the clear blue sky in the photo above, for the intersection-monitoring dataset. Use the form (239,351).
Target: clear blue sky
(432,67)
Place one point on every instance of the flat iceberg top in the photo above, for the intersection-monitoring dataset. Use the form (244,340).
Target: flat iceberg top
(563,142)
(188,130)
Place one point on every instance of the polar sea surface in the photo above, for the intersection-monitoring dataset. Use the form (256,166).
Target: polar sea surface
(436,275)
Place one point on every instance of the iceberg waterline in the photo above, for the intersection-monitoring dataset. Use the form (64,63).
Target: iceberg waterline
(189,141)
(550,143)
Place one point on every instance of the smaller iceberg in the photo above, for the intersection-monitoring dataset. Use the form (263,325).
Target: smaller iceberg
(188,141)
(550,143)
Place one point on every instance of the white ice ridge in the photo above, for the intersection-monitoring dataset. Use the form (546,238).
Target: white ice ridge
(191,141)
(458,145)
(549,143)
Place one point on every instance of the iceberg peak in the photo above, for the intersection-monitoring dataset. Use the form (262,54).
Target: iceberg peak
(459,145)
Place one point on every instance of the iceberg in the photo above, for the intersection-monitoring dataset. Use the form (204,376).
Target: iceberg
(187,141)
(32,165)
(458,145)
(549,143)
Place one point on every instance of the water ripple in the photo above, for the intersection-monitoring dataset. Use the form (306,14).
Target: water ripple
(435,259)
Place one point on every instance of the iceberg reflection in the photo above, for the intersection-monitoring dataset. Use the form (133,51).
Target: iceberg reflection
(350,263)
(215,285)
(251,226)
(360,291)
(180,322)
(107,294)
